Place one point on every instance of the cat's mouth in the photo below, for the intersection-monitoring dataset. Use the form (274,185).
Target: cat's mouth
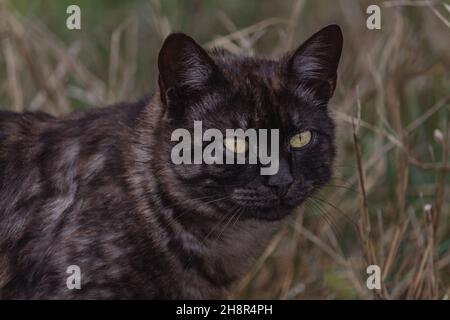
(266,205)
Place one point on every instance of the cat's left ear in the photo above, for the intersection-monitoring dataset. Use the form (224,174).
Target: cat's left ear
(314,64)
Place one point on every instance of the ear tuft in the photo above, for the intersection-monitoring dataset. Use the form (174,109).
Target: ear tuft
(314,64)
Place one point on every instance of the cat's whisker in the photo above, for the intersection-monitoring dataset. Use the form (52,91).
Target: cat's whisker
(225,226)
(157,196)
(338,210)
(337,230)
(205,238)
(351,166)
(207,202)
(341,186)
(240,211)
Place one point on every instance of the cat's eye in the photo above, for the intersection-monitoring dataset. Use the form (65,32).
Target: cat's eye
(301,140)
(236,145)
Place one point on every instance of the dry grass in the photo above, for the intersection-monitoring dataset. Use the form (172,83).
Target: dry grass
(389,201)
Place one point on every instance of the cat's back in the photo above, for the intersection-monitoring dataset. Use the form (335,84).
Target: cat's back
(28,138)
(18,127)
(38,158)
(62,195)
(41,155)
(19,143)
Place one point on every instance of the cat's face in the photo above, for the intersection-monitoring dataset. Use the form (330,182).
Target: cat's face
(225,91)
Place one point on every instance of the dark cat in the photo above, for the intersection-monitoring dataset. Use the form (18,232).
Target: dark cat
(98,189)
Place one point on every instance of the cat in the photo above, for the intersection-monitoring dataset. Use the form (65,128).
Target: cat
(97,189)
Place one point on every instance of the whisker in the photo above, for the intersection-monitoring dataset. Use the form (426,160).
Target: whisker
(226,225)
(205,238)
(353,223)
(341,186)
(338,231)
(207,202)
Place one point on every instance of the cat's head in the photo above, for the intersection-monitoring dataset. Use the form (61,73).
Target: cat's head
(227,91)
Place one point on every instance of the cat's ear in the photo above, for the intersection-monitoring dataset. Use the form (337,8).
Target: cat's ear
(314,64)
(183,66)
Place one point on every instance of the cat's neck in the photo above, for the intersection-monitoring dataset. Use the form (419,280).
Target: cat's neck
(220,252)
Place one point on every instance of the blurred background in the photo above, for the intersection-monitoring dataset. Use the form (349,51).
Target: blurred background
(389,202)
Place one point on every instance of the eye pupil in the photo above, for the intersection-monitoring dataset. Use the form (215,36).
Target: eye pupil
(301,140)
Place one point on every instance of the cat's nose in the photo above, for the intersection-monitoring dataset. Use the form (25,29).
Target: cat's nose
(281,189)
(282,180)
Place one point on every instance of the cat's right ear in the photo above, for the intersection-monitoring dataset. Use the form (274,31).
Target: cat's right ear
(185,68)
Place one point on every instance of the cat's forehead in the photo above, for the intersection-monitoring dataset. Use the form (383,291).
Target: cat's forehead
(261,99)
(249,72)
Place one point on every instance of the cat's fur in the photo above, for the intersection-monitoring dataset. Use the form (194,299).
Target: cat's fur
(97,189)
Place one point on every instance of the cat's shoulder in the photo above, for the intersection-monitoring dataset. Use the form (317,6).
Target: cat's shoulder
(123,110)
(21,124)
(11,116)
(25,123)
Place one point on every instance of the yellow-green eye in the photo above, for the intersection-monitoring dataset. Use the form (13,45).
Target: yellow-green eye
(236,145)
(301,140)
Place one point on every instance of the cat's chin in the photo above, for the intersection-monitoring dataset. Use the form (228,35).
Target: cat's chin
(266,208)
(275,213)
(269,213)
